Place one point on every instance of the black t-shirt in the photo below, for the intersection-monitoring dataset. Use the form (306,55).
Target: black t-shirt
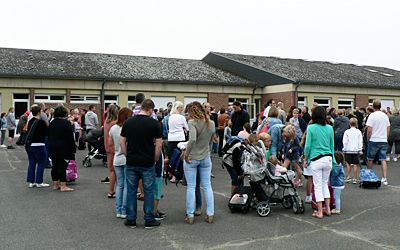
(140,131)
(40,131)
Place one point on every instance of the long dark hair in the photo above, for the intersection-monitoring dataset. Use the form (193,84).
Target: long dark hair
(319,116)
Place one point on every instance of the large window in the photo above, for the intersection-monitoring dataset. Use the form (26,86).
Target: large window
(85,99)
(108,99)
(49,98)
(162,101)
(344,103)
(131,101)
(21,104)
(323,101)
(249,107)
(301,101)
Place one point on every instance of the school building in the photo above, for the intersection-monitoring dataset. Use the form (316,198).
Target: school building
(80,79)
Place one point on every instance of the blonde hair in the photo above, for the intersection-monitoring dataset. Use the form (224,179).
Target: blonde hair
(291,130)
(265,136)
(273,159)
(112,114)
(197,111)
(353,122)
(175,107)
(340,112)
(395,110)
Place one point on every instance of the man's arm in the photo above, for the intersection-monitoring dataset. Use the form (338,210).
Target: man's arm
(124,148)
(388,131)
(369,132)
(158,147)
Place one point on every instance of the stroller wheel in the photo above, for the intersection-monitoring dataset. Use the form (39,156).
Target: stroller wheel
(263,209)
(87,163)
(296,205)
(287,202)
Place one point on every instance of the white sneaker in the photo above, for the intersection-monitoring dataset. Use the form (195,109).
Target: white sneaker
(39,185)
(308,199)
(119,215)
(123,216)
(3,146)
(384,181)
(32,185)
(387,158)
(395,159)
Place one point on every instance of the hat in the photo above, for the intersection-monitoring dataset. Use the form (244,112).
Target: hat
(27,112)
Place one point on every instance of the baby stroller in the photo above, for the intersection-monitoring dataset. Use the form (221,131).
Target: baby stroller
(267,188)
(96,140)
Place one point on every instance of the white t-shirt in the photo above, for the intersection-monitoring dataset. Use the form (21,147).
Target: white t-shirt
(115,134)
(176,124)
(379,122)
(266,111)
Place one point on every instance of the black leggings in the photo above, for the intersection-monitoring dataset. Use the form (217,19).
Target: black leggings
(59,171)
(397,147)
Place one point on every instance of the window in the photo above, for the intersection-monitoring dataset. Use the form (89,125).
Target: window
(108,99)
(192,99)
(249,107)
(244,102)
(370,102)
(344,103)
(161,101)
(323,101)
(85,99)
(50,98)
(131,101)
(21,104)
(301,101)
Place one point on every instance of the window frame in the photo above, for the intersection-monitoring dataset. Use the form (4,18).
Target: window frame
(48,99)
(85,99)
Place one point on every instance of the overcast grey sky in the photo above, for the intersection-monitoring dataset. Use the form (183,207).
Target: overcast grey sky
(361,32)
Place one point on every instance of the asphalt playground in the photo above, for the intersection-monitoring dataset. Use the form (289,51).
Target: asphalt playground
(41,218)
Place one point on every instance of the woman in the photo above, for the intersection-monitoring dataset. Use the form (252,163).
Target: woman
(62,147)
(272,120)
(221,127)
(22,122)
(197,158)
(319,151)
(298,123)
(3,129)
(120,161)
(350,114)
(176,134)
(11,126)
(340,125)
(290,113)
(394,134)
(36,149)
(112,116)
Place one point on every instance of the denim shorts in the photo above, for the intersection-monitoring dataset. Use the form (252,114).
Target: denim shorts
(377,147)
(158,182)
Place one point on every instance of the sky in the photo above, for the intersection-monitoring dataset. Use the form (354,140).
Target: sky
(359,32)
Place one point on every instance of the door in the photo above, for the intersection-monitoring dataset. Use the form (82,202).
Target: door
(21,104)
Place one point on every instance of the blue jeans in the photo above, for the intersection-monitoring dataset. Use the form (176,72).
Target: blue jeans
(121,192)
(36,155)
(379,148)
(204,168)
(198,191)
(133,175)
(336,195)
(339,142)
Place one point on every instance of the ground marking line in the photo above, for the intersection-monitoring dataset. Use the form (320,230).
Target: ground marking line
(173,243)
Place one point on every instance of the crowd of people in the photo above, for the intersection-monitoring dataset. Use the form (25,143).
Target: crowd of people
(140,142)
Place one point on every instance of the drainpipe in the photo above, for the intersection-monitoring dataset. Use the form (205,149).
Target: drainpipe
(252,97)
(102,99)
(296,94)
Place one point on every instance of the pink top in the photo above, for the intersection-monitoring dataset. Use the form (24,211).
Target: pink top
(107,127)
(279,170)
(243,134)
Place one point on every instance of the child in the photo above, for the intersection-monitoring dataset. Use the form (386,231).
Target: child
(279,170)
(246,131)
(266,139)
(292,148)
(337,180)
(77,130)
(352,146)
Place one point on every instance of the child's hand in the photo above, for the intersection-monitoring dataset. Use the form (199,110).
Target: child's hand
(290,151)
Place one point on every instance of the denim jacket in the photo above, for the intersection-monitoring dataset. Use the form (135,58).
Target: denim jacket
(337,176)
(166,126)
(276,138)
(3,123)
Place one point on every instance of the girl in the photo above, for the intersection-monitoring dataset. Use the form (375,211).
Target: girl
(246,131)
(337,181)
(292,149)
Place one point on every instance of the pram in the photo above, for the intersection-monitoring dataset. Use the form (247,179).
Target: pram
(96,140)
(267,188)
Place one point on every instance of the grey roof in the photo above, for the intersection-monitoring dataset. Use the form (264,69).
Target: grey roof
(273,70)
(58,64)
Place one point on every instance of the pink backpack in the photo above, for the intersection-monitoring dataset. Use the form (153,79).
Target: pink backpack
(72,170)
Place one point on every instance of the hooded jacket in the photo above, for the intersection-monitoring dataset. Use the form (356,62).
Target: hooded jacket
(11,122)
(340,125)
(91,120)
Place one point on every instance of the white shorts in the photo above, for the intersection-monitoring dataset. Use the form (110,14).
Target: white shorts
(307,171)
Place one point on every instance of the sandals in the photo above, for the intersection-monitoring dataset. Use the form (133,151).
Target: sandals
(210,218)
(189,220)
(316,216)
(111,195)
(335,211)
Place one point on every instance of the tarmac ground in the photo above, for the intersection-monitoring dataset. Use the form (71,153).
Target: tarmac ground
(41,218)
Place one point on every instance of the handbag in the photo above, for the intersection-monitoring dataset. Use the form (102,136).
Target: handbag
(183,158)
(72,170)
(27,137)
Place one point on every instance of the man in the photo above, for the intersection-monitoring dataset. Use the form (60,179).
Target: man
(238,118)
(378,128)
(305,115)
(140,97)
(271,102)
(360,118)
(141,142)
(230,111)
(282,113)
(45,118)
(91,121)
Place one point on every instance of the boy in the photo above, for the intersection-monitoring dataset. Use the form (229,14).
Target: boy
(352,146)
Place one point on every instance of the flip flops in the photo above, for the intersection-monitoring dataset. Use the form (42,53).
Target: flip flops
(316,216)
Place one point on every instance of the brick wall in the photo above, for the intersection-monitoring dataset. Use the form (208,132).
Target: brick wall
(219,100)
(80,106)
(361,100)
(288,99)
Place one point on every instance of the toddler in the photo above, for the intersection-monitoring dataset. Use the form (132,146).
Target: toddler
(337,181)
(279,170)
(292,148)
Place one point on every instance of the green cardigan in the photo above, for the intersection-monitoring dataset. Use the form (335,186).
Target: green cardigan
(320,140)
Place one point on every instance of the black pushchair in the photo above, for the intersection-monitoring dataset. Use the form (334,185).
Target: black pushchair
(96,139)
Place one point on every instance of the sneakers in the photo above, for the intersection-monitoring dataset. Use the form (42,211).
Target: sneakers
(308,199)
(384,181)
(40,185)
(159,216)
(3,146)
(197,212)
(32,185)
(10,147)
(394,159)
(387,158)
(151,224)
(105,181)
(354,181)
(130,223)
(121,216)
(348,179)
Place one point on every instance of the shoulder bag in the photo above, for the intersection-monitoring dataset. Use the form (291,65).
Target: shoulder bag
(27,137)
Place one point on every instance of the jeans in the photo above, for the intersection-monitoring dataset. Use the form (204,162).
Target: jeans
(133,175)
(204,169)
(121,192)
(321,169)
(336,195)
(36,155)
(198,191)
(3,135)
(339,142)
(375,148)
